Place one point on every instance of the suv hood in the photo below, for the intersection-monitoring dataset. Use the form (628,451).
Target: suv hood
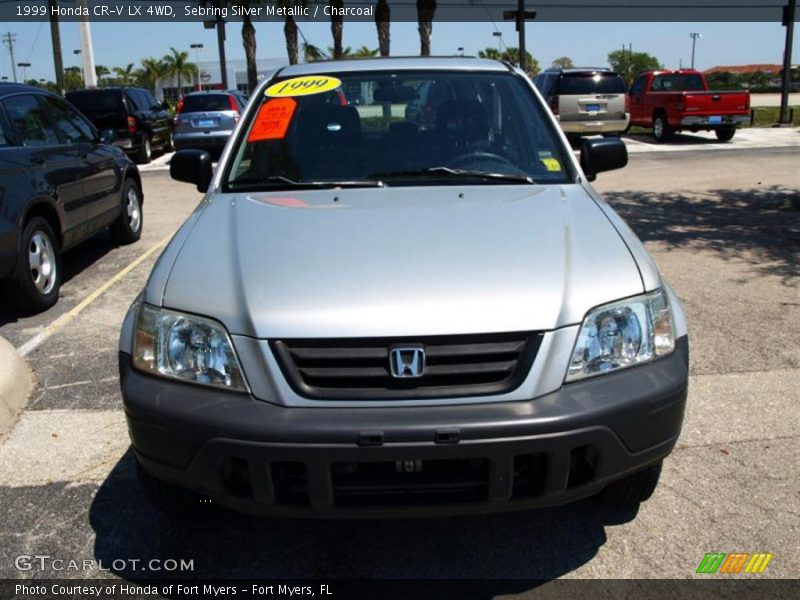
(399,261)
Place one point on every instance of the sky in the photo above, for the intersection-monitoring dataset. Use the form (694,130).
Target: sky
(588,44)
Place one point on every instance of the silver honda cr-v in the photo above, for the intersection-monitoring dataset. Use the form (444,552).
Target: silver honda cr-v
(373,313)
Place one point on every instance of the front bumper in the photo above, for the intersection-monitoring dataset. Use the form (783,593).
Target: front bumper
(712,122)
(261,458)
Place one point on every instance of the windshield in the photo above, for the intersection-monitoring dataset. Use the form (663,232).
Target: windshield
(96,101)
(398,128)
(591,83)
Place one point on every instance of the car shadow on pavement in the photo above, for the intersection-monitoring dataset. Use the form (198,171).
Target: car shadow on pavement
(73,262)
(759,226)
(677,139)
(512,551)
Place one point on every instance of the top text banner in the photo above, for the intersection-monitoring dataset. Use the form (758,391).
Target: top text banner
(400,10)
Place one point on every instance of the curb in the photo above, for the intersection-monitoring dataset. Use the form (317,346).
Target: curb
(16,383)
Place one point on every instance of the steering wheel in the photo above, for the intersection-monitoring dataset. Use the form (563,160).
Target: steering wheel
(479,156)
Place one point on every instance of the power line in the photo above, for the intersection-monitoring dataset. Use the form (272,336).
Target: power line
(35,39)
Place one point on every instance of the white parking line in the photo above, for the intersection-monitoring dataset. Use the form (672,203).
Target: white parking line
(64,319)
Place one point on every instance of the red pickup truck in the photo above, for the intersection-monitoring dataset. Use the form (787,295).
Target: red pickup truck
(670,101)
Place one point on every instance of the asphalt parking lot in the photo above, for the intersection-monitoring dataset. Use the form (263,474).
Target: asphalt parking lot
(724,227)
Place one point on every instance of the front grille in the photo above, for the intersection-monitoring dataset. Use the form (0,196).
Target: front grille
(358,368)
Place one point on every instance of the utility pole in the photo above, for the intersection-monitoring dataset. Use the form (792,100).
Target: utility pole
(197,48)
(520,16)
(694,36)
(789,13)
(89,73)
(9,39)
(219,23)
(55,38)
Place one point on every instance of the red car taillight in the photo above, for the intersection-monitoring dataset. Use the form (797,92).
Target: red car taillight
(179,108)
(234,108)
(131,124)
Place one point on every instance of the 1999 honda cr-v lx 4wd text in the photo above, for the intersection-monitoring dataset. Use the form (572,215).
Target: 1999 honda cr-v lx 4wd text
(371,316)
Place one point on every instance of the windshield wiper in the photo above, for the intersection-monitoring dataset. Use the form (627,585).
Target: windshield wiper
(255,182)
(503,177)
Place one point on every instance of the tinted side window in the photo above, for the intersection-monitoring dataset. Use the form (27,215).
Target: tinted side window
(4,139)
(73,128)
(638,85)
(134,100)
(29,122)
(150,100)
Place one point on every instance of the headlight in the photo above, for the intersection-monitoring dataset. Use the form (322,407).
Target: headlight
(187,348)
(623,334)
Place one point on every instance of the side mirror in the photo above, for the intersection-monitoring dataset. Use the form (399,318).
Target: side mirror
(107,136)
(192,166)
(602,154)
(163,106)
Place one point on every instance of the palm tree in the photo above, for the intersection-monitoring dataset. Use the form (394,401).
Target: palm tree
(337,25)
(151,71)
(177,65)
(125,75)
(312,53)
(290,29)
(425,12)
(364,52)
(492,53)
(290,33)
(382,17)
(249,42)
(101,71)
(346,52)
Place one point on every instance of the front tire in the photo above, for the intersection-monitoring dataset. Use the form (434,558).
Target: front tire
(170,499)
(725,134)
(662,131)
(169,145)
(630,491)
(145,153)
(36,280)
(128,226)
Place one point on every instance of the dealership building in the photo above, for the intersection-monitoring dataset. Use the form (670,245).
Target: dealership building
(210,77)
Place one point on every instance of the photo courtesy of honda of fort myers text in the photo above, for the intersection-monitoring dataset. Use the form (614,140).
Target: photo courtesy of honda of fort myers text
(392,298)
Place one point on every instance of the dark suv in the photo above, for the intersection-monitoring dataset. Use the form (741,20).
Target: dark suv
(141,122)
(60,182)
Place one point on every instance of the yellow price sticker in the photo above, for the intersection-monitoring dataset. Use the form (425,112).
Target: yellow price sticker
(551,164)
(303,86)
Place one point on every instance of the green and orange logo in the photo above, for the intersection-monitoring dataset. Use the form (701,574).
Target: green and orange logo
(735,562)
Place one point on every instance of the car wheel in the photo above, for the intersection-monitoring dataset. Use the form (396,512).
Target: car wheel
(629,491)
(128,226)
(166,497)
(725,134)
(145,153)
(169,145)
(36,279)
(661,129)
